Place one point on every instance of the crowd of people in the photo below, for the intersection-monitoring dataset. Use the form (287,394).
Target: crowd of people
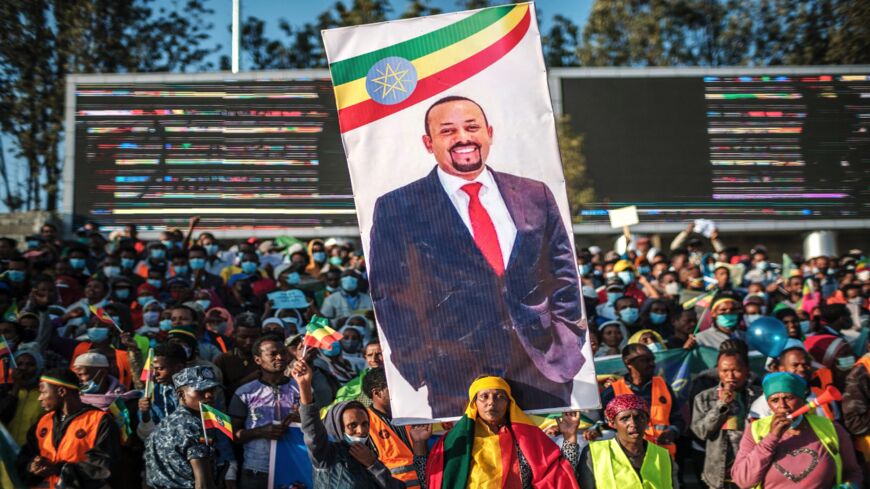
(217,324)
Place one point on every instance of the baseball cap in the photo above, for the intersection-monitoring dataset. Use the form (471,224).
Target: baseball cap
(199,378)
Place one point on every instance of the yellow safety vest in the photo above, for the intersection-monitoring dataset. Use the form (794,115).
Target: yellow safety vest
(823,429)
(612,470)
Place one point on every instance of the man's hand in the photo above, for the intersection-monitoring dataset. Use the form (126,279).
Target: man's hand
(41,467)
(363,454)
(128,341)
(303,375)
(690,227)
(591,434)
(568,424)
(779,425)
(726,394)
(690,343)
(144,405)
(420,434)
(272,431)
(666,438)
(193,222)
(714,234)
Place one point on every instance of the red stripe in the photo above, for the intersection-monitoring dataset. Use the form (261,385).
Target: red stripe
(510,465)
(363,113)
(209,423)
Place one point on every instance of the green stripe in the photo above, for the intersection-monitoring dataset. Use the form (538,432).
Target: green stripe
(221,416)
(458,443)
(357,67)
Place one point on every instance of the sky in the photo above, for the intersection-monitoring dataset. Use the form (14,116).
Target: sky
(298,12)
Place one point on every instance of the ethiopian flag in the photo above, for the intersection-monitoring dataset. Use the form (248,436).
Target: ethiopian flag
(212,418)
(375,84)
(121,415)
(318,334)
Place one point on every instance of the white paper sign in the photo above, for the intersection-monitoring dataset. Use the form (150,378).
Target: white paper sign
(624,216)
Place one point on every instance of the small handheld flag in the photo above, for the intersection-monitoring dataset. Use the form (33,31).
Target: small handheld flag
(11,313)
(104,318)
(318,334)
(6,350)
(121,414)
(146,373)
(212,418)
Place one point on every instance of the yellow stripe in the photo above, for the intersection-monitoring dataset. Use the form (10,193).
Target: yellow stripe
(210,416)
(354,92)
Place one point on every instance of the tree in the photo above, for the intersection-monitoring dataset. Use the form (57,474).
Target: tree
(44,41)
(560,43)
(580,187)
(419,8)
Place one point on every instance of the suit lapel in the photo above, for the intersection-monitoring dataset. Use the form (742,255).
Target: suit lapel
(444,221)
(513,200)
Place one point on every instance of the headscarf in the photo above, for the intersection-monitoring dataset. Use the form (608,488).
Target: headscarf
(635,338)
(823,347)
(225,314)
(458,459)
(622,403)
(779,382)
(332,421)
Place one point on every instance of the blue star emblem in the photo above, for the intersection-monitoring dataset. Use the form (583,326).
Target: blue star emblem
(391,80)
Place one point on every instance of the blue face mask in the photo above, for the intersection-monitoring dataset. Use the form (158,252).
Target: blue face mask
(111,271)
(168,244)
(32,245)
(627,276)
(122,293)
(211,249)
(89,387)
(644,270)
(127,263)
(180,269)
(77,263)
(727,321)
(196,264)
(98,335)
(204,304)
(629,315)
(612,296)
(157,254)
(292,278)
(335,261)
(165,324)
(16,276)
(845,363)
(585,269)
(319,256)
(654,347)
(349,283)
(151,318)
(355,440)
(145,300)
(805,326)
(658,318)
(249,267)
(334,351)
(157,284)
(750,318)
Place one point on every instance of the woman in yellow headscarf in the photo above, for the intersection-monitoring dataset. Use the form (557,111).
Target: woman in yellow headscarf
(649,338)
(495,445)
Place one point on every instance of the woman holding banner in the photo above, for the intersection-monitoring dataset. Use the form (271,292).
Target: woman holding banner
(793,447)
(496,445)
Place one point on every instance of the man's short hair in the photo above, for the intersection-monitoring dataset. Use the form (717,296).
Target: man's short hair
(172,352)
(375,379)
(633,350)
(255,348)
(740,355)
(451,98)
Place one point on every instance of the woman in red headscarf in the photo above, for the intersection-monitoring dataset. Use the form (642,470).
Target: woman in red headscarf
(495,445)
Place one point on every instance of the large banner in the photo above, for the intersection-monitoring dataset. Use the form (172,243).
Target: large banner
(450,138)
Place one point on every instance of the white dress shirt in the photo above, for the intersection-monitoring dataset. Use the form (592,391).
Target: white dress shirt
(491,200)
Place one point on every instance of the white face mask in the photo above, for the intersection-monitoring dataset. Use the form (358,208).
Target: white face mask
(356,439)
(672,288)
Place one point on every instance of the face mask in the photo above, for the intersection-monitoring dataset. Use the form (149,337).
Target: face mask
(157,284)
(612,296)
(165,324)
(98,335)
(151,318)
(845,363)
(180,269)
(16,276)
(351,346)
(727,321)
(856,300)
(221,327)
(657,318)
(626,276)
(585,269)
(762,265)
(750,318)
(318,256)
(32,245)
(356,440)
(334,351)
(147,331)
(654,347)
(196,264)
(672,288)
(90,387)
(805,326)
(157,254)
(127,263)
(249,267)
(122,293)
(331,289)
(204,303)
(77,263)
(335,261)
(644,270)
(629,315)
(349,283)
(211,249)
(168,244)
(292,278)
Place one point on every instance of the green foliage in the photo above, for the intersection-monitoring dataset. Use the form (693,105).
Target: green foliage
(419,8)
(560,43)
(580,187)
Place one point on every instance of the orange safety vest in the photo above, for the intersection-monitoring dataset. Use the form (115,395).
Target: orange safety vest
(826,378)
(80,436)
(392,451)
(660,410)
(3,379)
(862,443)
(122,361)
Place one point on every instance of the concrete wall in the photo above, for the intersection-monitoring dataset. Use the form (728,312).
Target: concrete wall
(18,225)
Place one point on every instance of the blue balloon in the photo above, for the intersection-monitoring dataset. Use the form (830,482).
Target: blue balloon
(767,335)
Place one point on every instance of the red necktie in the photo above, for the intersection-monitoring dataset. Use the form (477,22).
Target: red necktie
(483,229)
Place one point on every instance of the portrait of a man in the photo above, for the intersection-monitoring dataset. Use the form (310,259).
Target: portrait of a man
(472,271)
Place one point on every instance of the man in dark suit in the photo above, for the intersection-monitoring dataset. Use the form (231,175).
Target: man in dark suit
(472,272)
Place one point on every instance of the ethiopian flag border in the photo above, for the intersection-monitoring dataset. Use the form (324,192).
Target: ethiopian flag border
(441,58)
